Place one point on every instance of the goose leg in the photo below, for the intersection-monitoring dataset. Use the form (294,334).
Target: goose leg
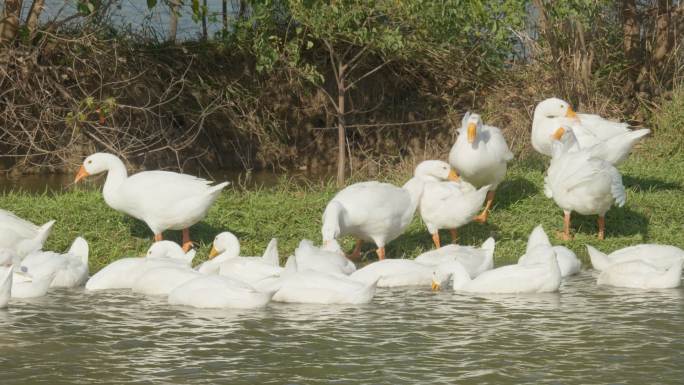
(435,239)
(381,253)
(357,250)
(187,243)
(454,236)
(158,237)
(565,235)
(601,227)
(482,218)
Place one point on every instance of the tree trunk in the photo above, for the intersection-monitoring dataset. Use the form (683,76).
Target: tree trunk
(9,20)
(242,11)
(224,8)
(341,132)
(631,41)
(34,16)
(173,25)
(205,34)
(663,36)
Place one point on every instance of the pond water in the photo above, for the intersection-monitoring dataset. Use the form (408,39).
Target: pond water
(55,183)
(584,334)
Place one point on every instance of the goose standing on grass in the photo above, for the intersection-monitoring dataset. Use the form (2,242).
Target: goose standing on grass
(163,200)
(638,274)
(660,256)
(475,260)
(21,236)
(543,276)
(379,212)
(579,181)
(553,114)
(480,155)
(124,272)
(71,267)
(450,205)
(568,262)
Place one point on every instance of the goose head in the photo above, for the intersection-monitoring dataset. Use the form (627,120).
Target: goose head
(451,270)
(168,249)
(471,126)
(95,164)
(435,170)
(225,243)
(552,108)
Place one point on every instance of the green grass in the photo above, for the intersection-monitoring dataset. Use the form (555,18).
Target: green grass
(291,212)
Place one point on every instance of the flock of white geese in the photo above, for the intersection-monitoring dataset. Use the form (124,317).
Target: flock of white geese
(582,177)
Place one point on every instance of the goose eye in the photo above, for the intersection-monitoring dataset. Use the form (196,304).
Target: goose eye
(90,161)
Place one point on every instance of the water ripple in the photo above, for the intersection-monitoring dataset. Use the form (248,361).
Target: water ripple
(584,334)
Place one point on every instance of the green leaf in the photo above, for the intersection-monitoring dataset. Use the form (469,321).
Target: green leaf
(151,4)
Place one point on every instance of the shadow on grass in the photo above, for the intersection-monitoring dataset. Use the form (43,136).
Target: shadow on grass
(200,233)
(621,221)
(512,191)
(646,184)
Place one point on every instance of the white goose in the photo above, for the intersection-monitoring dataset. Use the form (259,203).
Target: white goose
(379,212)
(21,236)
(450,205)
(638,274)
(225,260)
(399,272)
(660,256)
(124,272)
(552,115)
(25,285)
(475,260)
(541,277)
(302,285)
(163,200)
(162,280)
(479,156)
(5,285)
(328,259)
(578,181)
(568,262)
(215,291)
(71,267)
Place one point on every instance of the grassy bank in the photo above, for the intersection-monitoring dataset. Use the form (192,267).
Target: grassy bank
(292,211)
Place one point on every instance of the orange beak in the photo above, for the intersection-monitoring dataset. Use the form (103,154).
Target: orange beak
(82,173)
(558,134)
(571,113)
(453,176)
(213,253)
(472,130)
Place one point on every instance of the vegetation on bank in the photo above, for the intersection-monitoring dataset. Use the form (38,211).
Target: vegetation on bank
(268,90)
(292,211)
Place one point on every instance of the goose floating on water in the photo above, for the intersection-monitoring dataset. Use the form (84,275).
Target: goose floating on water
(22,236)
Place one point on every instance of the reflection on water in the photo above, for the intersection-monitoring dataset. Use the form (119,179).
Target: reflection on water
(584,334)
(54,183)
